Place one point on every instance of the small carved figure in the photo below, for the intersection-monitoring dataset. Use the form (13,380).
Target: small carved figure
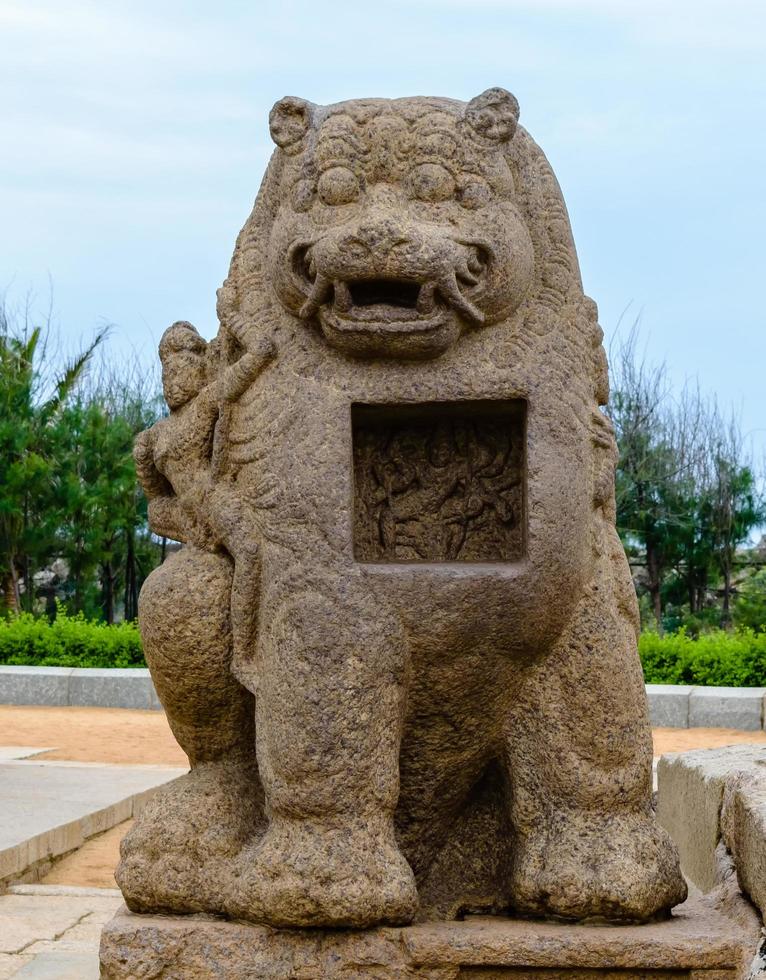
(180,466)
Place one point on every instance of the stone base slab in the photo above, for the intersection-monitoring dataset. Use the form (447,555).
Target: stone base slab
(697,943)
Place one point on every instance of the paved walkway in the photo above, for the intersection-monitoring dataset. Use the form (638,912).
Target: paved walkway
(51,808)
(52,933)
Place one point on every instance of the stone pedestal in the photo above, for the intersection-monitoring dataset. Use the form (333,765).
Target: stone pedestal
(698,942)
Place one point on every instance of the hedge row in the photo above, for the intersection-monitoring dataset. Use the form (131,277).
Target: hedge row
(717,658)
(69,641)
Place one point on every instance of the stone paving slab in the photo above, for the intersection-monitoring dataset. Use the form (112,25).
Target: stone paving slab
(53,932)
(50,808)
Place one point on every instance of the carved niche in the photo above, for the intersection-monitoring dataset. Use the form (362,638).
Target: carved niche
(439,482)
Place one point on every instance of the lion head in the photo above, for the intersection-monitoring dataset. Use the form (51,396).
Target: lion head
(398,227)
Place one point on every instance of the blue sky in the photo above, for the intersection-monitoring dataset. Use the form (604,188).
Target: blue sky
(135,134)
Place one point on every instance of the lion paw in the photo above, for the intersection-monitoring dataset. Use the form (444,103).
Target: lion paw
(620,868)
(178,856)
(305,875)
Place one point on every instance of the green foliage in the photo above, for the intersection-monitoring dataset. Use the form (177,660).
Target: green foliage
(68,490)
(750,606)
(717,658)
(688,497)
(31,400)
(69,641)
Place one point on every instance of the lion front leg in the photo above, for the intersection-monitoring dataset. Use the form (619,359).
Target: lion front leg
(580,756)
(178,856)
(329,715)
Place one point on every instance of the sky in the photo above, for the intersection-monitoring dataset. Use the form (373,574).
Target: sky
(134,136)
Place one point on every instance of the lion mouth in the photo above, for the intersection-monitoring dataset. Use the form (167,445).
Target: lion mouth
(386,305)
(389,305)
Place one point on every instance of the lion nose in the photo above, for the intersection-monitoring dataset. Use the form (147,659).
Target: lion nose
(377,238)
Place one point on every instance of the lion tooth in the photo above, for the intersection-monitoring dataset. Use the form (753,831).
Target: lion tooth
(318,295)
(466,275)
(450,290)
(343,300)
(426,298)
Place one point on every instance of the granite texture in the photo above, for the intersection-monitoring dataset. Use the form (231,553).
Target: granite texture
(725,707)
(712,795)
(669,705)
(399,646)
(743,830)
(699,943)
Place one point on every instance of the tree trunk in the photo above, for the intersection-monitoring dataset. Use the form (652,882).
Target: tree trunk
(107,591)
(725,612)
(11,590)
(131,586)
(655,582)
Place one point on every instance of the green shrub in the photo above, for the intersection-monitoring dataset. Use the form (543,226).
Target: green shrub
(69,641)
(717,658)
(750,604)
(712,659)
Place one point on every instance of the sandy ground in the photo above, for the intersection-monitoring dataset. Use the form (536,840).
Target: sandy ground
(114,735)
(684,739)
(93,734)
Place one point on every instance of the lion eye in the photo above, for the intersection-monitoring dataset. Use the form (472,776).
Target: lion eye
(338,185)
(303,195)
(474,195)
(432,182)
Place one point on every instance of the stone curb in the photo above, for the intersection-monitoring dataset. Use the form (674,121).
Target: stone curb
(670,705)
(91,687)
(681,706)
(25,860)
(711,796)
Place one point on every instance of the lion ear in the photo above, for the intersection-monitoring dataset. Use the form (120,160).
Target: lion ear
(289,121)
(493,115)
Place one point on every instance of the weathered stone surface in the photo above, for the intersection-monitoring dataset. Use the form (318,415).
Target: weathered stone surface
(743,829)
(126,687)
(690,798)
(698,942)
(20,686)
(399,646)
(669,705)
(726,707)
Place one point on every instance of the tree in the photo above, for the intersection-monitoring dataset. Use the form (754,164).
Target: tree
(32,395)
(732,505)
(687,493)
(658,443)
(103,521)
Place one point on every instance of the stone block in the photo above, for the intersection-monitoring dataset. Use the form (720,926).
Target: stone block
(34,685)
(690,796)
(698,942)
(727,707)
(127,687)
(669,705)
(743,828)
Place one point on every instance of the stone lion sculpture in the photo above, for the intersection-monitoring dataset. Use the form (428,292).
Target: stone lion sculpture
(399,644)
